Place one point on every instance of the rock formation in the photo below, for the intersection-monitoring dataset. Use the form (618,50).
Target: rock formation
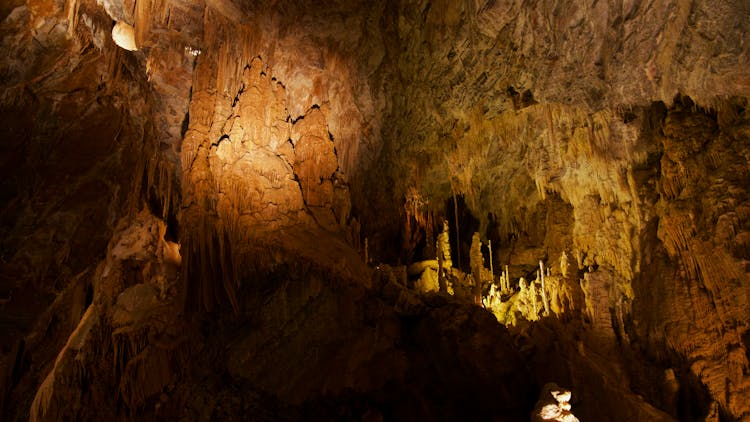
(553,405)
(217,208)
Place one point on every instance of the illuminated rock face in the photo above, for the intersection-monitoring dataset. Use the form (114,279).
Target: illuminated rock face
(198,210)
(124,36)
(553,405)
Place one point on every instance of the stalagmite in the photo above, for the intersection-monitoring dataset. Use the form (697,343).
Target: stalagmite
(523,297)
(492,297)
(505,281)
(544,290)
(489,246)
(564,264)
(534,301)
(445,264)
(476,259)
(478,271)
(458,236)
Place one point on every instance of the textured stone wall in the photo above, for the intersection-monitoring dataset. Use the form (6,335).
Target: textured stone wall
(509,105)
(270,139)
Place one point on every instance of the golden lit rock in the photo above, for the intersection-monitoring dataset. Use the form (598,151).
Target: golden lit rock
(553,405)
(124,36)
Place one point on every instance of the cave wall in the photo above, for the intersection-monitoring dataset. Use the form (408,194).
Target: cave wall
(702,227)
(254,135)
(628,113)
(75,153)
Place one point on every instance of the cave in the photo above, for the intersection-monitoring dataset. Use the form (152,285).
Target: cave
(375,210)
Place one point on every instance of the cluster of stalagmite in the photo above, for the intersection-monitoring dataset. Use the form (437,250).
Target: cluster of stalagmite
(547,295)
(445,263)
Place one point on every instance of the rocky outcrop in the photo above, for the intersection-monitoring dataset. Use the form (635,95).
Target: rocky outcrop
(554,405)
(129,341)
(77,146)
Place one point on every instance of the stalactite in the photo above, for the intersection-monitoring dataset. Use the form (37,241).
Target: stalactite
(209,270)
(71,11)
(160,178)
(142,20)
(153,175)
(145,374)
(416,207)
(231,57)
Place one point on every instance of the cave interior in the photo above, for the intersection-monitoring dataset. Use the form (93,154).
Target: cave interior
(375,210)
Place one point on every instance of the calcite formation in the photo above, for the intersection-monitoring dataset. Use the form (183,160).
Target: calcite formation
(554,405)
(219,208)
